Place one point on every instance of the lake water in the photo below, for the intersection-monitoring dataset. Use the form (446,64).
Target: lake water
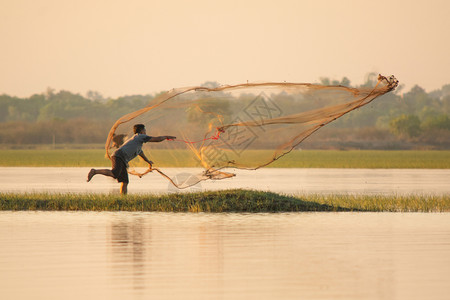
(287,181)
(122,255)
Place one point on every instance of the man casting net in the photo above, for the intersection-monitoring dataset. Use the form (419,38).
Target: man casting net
(246,126)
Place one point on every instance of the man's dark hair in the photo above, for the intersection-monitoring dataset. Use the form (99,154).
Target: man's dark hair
(138,128)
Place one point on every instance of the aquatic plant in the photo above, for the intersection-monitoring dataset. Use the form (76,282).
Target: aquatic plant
(236,200)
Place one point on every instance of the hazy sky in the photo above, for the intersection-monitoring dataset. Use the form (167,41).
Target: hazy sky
(145,46)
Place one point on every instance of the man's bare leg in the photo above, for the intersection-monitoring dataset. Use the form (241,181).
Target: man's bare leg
(123,188)
(105,172)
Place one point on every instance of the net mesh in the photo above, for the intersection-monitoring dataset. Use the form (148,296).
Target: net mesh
(246,126)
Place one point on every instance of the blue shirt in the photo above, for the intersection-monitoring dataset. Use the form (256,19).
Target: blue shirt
(132,147)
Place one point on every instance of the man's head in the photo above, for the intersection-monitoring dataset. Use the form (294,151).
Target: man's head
(139,128)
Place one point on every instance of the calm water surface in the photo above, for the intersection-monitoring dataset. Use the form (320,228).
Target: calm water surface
(104,255)
(288,181)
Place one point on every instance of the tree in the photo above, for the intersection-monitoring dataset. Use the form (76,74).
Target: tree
(437,122)
(94,96)
(325,81)
(371,80)
(210,84)
(345,81)
(445,90)
(405,126)
(446,104)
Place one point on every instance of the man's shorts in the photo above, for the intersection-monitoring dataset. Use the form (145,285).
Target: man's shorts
(119,169)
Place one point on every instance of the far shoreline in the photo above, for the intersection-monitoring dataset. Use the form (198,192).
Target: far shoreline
(365,159)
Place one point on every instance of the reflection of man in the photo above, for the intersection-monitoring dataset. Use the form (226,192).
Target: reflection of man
(128,151)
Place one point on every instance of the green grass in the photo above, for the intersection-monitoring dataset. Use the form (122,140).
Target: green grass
(183,158)
(223,201)
(53,158)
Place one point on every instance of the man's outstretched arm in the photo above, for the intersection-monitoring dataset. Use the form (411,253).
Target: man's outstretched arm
(145,158)
(157,139)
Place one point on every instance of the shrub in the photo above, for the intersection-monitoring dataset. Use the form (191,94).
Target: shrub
(405,126)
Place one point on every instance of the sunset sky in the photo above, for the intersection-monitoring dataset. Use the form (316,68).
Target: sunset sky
(142,47)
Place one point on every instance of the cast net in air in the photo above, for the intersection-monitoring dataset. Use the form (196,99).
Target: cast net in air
(246,126)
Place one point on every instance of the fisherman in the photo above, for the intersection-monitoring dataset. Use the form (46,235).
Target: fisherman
(128,151)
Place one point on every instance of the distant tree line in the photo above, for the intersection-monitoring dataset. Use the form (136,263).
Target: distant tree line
(65,105)
(413,119)
(62,117)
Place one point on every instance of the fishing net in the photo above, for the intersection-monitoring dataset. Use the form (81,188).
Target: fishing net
(246,126)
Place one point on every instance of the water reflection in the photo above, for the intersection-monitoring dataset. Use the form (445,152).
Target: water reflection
(55,255)
(137,257)
(128,251)
(266,255)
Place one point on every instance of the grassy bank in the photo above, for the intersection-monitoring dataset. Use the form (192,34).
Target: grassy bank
(223,201)
(183,158)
